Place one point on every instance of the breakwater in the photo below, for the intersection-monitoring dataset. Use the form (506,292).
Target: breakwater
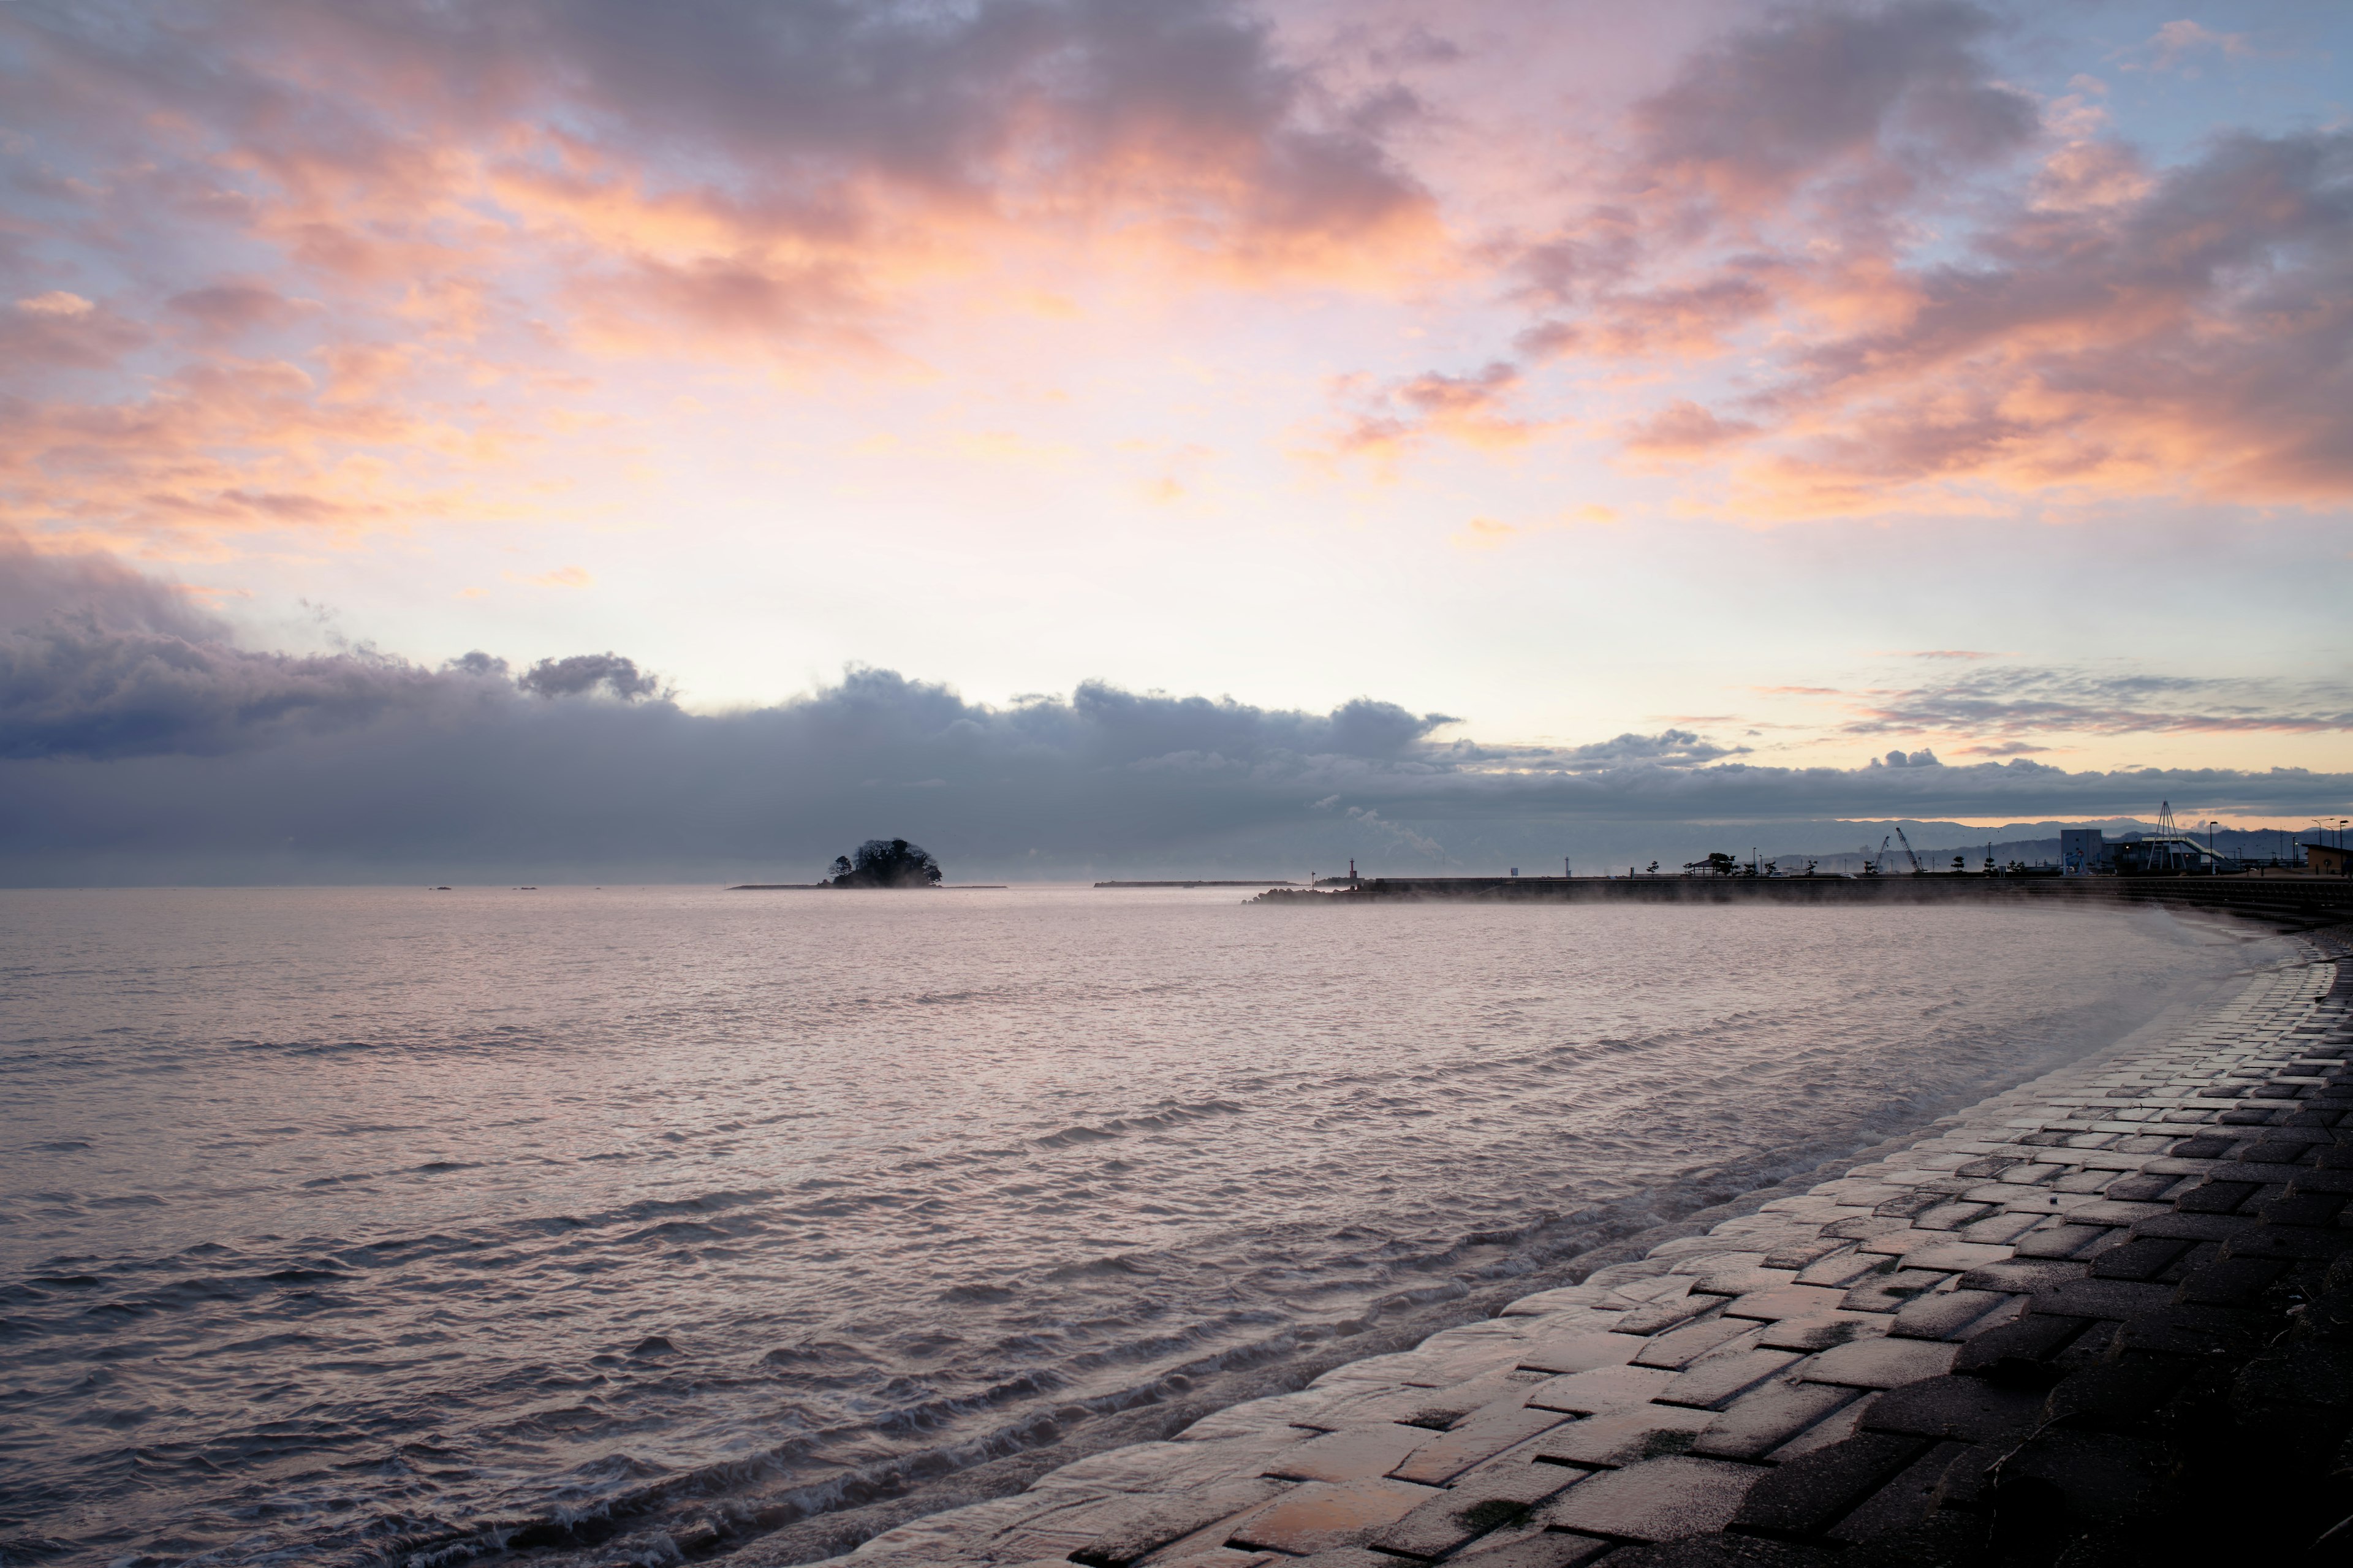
(2106,1317)
(2289,900)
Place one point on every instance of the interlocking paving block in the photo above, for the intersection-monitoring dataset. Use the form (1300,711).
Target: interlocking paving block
(2196,1331)
(1149,1521)
(2001,1227)
(1678,1348)
(1764,1418)
(1603,1388)
(1655,1316)
(2099,1476)
(1881,1363)
(1786,1301)
(2115,1299)
(2304,1373)
(2228,1282)
(1579,1352)
(1801,1253)
(2117,1394)
(1967,1480)
(1439,1408)
(2289,1243)
(1952,1254)
(1820,1333)
(1544,1303)
(2142,1258)
(2020,1276)
(1944,1314)
(1950,1215)
(1806,1495)
(1661,1499)
(1463,1513)
(1538,1548)
(2107,1211)
(2216,1197)
(1965,1409)
(1724,1552)
(1862,1227)
(1350,1454)
(2301,1209)
(1712,1380)
(1888,1292)
(1624,1436)
(1840,1269)
(1322,1515)
(1479,1437)
(1741,1281)
(1905,1501)
(2057,1240)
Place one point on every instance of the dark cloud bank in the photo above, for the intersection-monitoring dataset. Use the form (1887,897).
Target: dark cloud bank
(137,743)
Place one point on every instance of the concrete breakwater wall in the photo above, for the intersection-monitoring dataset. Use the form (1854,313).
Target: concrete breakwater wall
(2292,901)
(2106,1316)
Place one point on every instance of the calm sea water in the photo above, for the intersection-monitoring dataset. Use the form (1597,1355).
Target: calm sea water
(358,1226)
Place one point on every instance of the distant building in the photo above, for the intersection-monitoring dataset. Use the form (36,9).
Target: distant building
(2081,852)
(2327,859)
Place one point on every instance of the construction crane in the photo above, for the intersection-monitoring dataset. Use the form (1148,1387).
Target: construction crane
(1916,868)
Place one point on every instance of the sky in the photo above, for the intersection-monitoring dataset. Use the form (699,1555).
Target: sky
(594,438)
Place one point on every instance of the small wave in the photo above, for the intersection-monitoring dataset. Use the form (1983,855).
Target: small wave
(1104,1268)
(1159,1119)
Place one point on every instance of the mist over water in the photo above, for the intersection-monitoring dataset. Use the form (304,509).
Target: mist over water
(337,1225)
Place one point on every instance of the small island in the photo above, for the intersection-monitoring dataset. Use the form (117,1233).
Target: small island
(884,863)
(877,863)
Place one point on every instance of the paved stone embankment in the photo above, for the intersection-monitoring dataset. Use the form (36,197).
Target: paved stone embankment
(2108,1316)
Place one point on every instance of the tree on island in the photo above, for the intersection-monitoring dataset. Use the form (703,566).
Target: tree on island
(886,863)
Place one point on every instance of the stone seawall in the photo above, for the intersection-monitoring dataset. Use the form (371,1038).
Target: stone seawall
(2285,901)
(2106,1316)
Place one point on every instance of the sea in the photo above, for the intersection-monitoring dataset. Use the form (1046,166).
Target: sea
(393,1225)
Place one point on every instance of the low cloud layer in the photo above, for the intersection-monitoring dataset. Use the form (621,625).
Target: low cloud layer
(137,744)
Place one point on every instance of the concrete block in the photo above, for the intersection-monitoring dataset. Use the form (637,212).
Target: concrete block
(1602,1388)
(1320,1516)
(1961,1409)
(1678,1348)
(1709,1381)
(1821,1333)
(1578,1351)
(1149,1521)
(1945,1314)
(1787,1301)
(1624,1436)
(1661,1499)
(1350,1454)
(1889,1292)
(1881,1363)
(1904,1501)
(1762,1419)
(1478,1438)
(1806,1495)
